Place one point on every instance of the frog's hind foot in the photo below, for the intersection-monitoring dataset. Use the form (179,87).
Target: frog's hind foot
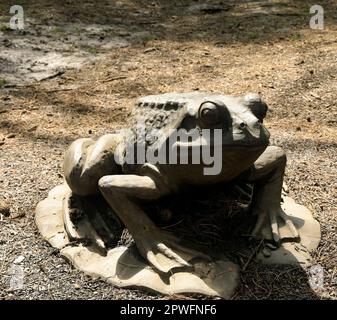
(274,224)
(164,251)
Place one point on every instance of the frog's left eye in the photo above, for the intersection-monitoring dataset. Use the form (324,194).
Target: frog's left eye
(210,114)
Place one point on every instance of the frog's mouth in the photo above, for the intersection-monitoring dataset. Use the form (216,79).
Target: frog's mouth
(257,138)
(218,139)
(236,146)
(248,147)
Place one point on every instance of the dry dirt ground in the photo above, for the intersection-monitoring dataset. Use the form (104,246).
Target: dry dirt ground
(75,71)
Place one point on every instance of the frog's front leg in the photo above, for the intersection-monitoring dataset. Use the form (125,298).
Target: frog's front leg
(161,249)
(267,175)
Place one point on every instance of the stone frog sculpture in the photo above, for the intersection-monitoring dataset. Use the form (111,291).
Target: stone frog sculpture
(90,166)
(167,149)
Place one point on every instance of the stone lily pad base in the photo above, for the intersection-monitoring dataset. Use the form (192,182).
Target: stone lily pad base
(124,267)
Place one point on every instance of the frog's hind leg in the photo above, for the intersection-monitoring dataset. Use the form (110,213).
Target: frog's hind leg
(161,249)
(86,214)
(87,160)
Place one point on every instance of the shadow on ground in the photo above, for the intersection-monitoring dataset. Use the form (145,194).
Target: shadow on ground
(180,20)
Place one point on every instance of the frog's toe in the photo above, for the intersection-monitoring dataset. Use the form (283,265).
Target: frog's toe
(289,223)
(278,219)
(164,259)
(274,226)
(165,253)
(262,227)
(269,224)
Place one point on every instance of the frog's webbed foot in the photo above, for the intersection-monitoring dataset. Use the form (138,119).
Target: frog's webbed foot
(269,222)
(162,250)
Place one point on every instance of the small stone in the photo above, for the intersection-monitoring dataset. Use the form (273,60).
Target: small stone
(206,8)
(4,208)
(19,259)
(149,50)
(77,286)
(33,128)
(11,135)
(315,95)
(123,34)
(129,67)
(298,62)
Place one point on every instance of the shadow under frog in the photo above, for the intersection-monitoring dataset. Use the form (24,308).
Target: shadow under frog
(103,167)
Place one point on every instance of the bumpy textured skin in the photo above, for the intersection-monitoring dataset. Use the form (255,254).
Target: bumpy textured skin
(149,115)
(157,115)
(90,167)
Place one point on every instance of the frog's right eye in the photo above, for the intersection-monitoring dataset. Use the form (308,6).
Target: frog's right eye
(258,107)
(210,114)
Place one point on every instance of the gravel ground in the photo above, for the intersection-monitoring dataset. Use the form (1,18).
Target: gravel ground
(234,48)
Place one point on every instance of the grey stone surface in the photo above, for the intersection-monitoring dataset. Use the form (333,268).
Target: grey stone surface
(124,267)
(49,217)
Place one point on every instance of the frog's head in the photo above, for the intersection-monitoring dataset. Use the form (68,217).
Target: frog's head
(240,119)
(241,135)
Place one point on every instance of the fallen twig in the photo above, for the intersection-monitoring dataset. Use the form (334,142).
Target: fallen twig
(60,89)
(253,254)
(52,76)
(114,78)
(13,85)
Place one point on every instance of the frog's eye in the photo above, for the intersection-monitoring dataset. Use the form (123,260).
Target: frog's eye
(210,113)
(258,107)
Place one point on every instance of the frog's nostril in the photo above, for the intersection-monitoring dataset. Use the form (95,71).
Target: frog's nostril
(243,125)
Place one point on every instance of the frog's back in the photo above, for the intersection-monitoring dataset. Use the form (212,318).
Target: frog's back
(160,111)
